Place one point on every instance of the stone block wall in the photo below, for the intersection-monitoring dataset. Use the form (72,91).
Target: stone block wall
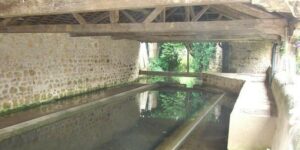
(36,68)
(248,57)
(226,82)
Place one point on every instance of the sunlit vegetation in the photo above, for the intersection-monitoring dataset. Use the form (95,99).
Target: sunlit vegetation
(173,57)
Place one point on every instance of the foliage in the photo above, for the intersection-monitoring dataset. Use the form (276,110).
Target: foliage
(171,60)
(155,64)
(202,53)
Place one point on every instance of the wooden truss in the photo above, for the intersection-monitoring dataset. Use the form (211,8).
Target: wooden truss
(144,20)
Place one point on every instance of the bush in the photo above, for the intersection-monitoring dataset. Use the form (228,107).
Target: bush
(202,53)
(170,58)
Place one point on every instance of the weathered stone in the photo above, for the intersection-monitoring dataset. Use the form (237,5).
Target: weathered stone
(13,90)
(248,57)
(57,62)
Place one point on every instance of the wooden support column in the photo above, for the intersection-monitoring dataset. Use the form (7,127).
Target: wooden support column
(187,17)
(114,16)
(163,15)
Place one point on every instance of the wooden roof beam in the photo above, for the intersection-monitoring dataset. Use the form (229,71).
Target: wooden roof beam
(230,13)
(6,21)
(198,38)
(13,8)
(268,26)
(251,10)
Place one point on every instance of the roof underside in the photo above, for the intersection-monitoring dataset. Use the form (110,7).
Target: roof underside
(199,20)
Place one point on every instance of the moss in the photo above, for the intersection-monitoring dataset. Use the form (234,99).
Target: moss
(64,96)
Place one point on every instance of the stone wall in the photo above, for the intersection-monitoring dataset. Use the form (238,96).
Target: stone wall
(36,68)
(248,57)
(227,82)
(84,130)
(285,89)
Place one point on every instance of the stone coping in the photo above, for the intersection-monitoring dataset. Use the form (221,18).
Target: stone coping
(253,98)
(241,76)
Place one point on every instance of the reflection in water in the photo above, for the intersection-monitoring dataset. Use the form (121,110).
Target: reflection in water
(131,123)
(161,112)
(176,105)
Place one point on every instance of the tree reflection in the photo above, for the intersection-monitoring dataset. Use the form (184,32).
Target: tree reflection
(175,105)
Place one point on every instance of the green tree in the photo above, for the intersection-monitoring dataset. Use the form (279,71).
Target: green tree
(202,54)
(169,57)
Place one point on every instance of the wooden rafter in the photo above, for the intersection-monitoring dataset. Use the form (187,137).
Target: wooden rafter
(100,17)
(171,12)
(128,16)
(251,10)
(46,7)
(200,14)
(79,18)
(230,13)
(154,14)
(220,17)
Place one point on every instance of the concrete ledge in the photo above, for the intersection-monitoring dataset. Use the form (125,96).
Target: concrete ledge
(252,121)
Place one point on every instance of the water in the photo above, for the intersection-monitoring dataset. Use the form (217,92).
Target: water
(42,110)
(161,112)
(138,122)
